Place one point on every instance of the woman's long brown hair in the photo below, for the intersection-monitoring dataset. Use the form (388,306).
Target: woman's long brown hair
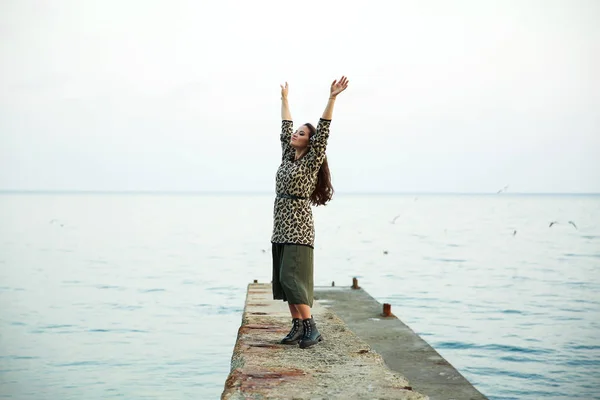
(324,190)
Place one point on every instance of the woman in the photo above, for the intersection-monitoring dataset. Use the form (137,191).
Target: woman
(302,179)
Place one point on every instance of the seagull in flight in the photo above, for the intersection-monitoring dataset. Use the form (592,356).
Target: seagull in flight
(556,222)
(502,190)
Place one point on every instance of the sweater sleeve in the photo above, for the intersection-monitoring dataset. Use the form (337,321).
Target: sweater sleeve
(287,128)
(318,144)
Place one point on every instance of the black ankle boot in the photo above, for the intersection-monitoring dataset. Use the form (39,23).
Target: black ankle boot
(296,333)
(311,334)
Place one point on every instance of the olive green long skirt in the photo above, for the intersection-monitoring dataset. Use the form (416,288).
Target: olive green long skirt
(293,273)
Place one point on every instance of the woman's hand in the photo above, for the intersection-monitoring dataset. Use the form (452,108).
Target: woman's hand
(284,91)
(336,87)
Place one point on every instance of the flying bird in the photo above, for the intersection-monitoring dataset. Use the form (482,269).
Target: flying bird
(502,190)
(394,220)
(556,222)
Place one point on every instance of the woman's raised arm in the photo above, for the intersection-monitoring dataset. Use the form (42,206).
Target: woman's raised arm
(285,107)
(318,143)
(335,89)
(287,126)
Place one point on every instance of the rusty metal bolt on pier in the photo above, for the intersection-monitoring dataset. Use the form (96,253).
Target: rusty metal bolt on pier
(387,310)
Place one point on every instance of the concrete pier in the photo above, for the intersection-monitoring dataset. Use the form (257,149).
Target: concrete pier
(401,348)
(364,355)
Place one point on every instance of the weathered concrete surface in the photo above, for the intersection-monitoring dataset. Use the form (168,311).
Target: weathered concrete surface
(341,367)
(401,348)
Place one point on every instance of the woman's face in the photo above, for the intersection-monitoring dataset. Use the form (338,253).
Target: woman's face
(300,138)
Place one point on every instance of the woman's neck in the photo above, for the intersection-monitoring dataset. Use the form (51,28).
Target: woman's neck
(300,153)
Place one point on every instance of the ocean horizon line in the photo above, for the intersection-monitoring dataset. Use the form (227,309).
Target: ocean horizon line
(265,193)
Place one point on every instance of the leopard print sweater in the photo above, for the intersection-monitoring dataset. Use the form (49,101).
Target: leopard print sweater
(292,218)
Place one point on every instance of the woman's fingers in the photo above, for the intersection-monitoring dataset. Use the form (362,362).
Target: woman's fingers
(344,82)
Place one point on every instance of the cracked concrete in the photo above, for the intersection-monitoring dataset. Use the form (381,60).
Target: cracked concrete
(343,366)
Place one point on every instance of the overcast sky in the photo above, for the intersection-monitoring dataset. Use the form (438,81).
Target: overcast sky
(444,96)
